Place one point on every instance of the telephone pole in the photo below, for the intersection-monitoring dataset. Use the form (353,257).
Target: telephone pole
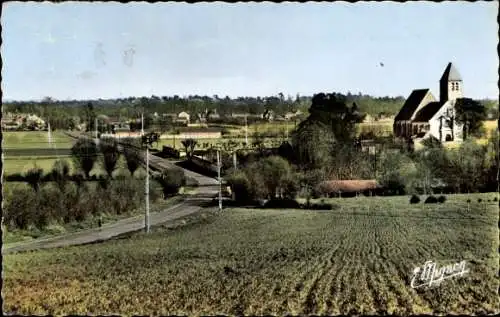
(96,134)
(146,220)
(142,124)
(220,181)
(246,132)
(146,216)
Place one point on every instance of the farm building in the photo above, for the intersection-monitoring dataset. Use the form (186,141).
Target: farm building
(423,116)
(353,187)
(183,117)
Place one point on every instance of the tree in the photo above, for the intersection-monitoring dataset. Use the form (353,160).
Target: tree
(471,114)
(110,154)
(333,111)
(133,159)
(189,145)
(150,138)
(90,117)
(34,177)
(164,123)
(491,163)
(240,185)
(394,172)
(313,142)
(84,153)
(171,181)
(60,174)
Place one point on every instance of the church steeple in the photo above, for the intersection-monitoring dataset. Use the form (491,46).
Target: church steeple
(450,85)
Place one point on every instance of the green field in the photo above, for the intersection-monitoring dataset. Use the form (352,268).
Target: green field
(353,260)
(35,140)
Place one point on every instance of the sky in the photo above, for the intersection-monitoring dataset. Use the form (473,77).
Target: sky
(108,50)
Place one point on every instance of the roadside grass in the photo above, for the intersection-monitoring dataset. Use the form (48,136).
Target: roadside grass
(255,262)
(35,139)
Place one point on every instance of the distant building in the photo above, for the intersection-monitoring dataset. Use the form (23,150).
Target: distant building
(183,117)
(423,116)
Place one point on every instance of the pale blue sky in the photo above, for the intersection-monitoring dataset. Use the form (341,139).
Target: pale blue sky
(106,50)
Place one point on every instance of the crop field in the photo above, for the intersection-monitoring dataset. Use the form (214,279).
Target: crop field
(35,140)
(352,260)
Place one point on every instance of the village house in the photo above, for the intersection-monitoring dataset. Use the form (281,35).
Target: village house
(183,117)
(423,116)
(20,121)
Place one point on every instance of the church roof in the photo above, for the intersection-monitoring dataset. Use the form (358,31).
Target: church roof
(451,74)
(427,112)
(411,104)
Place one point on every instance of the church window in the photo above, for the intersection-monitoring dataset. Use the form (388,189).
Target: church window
(456,86)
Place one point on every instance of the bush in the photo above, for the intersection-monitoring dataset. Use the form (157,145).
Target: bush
(414,199)
(282,204)
(441,199)
(34,177)
(468,201)
(495,199)
(431,200)
(479,200)
(171,181)
(240,186)
(20,209)
(322,206)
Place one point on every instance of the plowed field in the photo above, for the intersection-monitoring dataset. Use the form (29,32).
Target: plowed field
(356,260)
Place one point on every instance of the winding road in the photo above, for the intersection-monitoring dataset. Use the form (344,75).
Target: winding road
(207,189)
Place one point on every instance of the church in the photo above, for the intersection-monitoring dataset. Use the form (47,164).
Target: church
(423,116)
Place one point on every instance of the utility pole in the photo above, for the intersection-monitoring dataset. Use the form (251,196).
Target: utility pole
(146,220)
(96,134)
(146,216)
(142,124)
(246,131)
(220,181)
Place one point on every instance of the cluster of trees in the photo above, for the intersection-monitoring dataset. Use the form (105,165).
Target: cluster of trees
(472,167)
(325,147)
(64,202)
(62,197)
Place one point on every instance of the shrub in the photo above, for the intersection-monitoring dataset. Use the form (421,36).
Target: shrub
(468,201)
(103,182)
(495,199)
(479,200)
(414,199)
(59,174)
(282,204)
(171,181)
(20,209)
(84,153)
(322,206)
(34,177)
(441,199)
(240,186)
(431,200)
